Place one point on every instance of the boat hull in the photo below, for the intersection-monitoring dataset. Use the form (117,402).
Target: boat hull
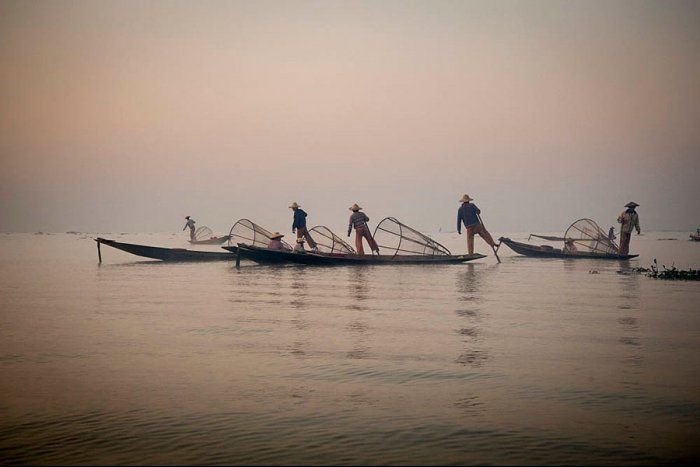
(267,256)
(167,254)
(549,252)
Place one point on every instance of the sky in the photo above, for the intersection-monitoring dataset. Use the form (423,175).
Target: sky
(126,116)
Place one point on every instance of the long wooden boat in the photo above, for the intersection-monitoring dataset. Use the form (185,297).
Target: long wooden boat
(263,255)
(695,237)
(165,254)
(546,251)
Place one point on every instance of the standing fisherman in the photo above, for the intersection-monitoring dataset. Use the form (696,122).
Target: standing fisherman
(190,224)
(629,221)
(468,214)
(299,225)
(359,220)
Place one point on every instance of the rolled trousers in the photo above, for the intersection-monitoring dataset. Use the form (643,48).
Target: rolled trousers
(303,232)
(483,233)
(363,232)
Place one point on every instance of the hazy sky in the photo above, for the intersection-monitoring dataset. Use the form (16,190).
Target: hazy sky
(126,116)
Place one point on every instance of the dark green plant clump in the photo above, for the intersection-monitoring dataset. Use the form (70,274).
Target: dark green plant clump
(670,274)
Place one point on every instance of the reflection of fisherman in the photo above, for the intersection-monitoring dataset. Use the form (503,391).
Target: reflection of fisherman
(190,224)
(611,233)
(299,225)
(629,221)
(468,214)
(359,220)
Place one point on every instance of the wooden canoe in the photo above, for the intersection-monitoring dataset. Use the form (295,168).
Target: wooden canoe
(268,256)
(166,254)
(546,251)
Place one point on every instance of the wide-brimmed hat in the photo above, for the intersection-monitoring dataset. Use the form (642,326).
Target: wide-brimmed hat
(631,204)
(354,207)
(276,235)
(187,217)
(294,205)
(466,199)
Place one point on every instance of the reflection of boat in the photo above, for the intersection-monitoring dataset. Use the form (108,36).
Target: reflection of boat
(264,255)
(204,236)
(583,239)
(398,243)
(164,254)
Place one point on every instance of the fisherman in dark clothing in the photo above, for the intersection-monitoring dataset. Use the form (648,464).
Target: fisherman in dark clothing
(468,214)
(630,221)
(299,225)
(358,221)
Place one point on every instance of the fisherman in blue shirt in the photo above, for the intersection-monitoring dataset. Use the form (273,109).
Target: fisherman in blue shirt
(299,225)
(468,214)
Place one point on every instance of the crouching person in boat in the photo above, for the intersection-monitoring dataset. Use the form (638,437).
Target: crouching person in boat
(569,246)
(468,214)
(276,242)
(359,220)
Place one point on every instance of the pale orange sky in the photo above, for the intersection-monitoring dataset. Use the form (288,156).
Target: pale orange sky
(126,116)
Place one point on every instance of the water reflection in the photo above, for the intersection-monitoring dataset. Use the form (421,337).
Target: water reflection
(629,302)
(358,288)
(570,264)
(358,328)
(473,358)
(358,283)
(470,287)
(299,289)
(299,302)
(469,282)
(470,405)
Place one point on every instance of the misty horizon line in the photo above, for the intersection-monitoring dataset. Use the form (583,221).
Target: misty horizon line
(186,234)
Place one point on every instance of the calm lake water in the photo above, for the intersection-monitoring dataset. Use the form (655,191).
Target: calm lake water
(530,361)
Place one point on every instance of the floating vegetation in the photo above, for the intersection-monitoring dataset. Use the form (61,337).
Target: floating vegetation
(669,274)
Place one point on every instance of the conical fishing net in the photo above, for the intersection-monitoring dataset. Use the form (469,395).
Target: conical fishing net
(203,233)
(245,231)
(586,236)
(395,238)
(328,242)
